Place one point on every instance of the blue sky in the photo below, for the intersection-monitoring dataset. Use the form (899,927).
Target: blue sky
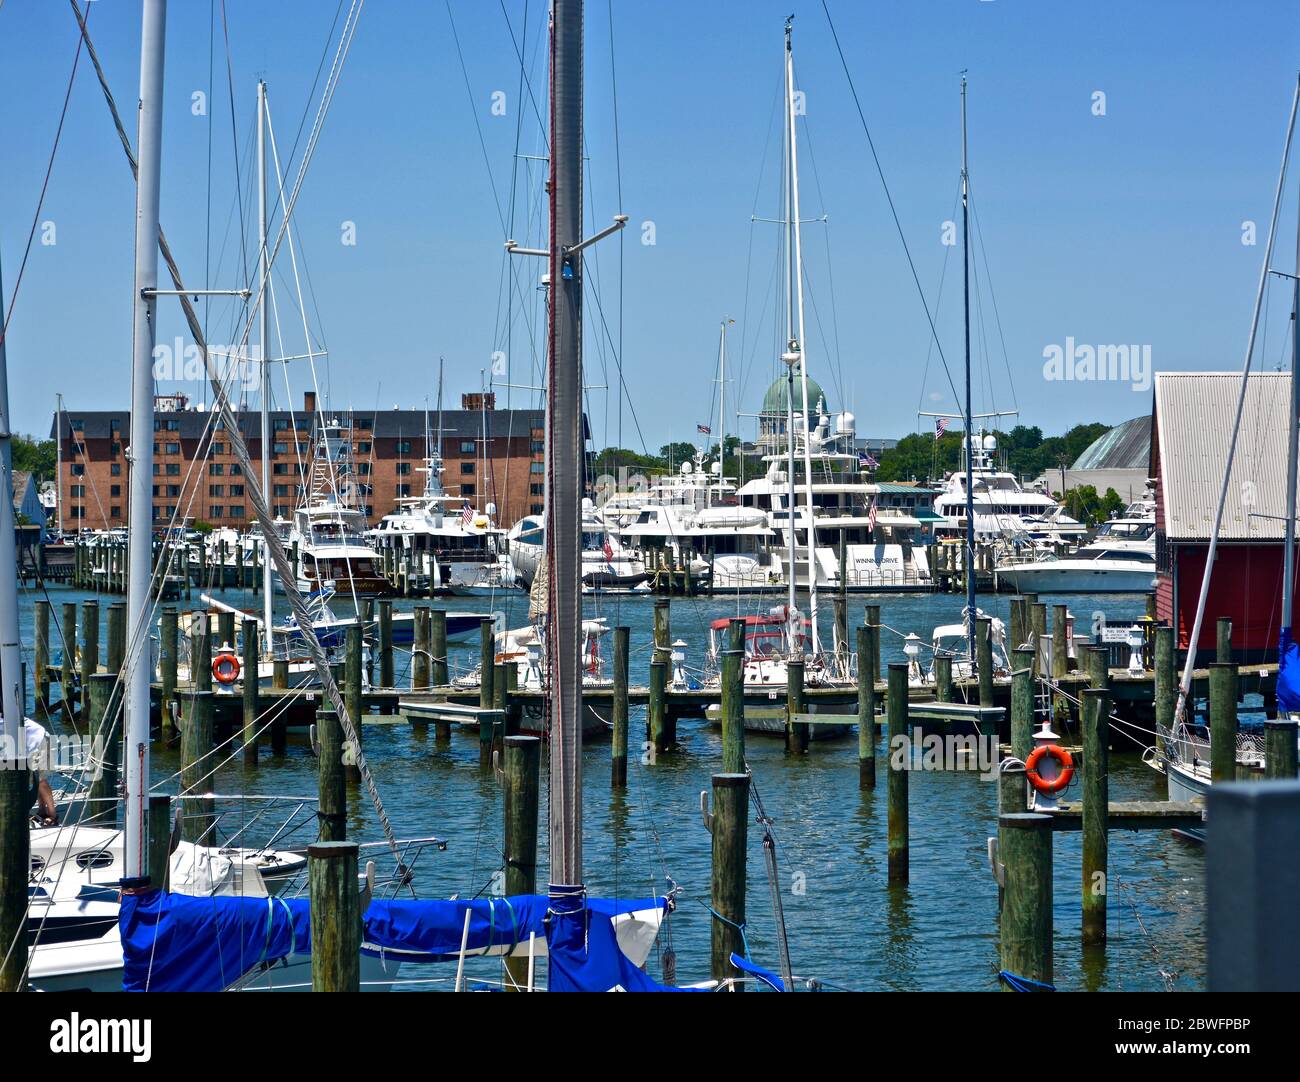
(1122,228)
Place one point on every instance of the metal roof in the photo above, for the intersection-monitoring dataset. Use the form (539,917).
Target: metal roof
(1194,413)
(1124,447)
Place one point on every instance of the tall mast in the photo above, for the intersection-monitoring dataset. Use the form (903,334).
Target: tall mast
(722,417)
(1293,420)
(970,428)
(11,658)
(797,343)
(140,506)
(262,342)
(58,459)
(564,444)
(791,358)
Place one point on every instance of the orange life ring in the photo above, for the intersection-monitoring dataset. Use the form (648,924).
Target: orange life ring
(225,668)
(1061,780)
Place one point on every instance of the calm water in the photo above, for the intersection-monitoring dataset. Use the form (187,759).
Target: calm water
(846,925)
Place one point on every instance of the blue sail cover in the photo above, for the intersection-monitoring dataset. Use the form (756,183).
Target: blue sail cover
(174,942)
(179,943)
(583,950)
(1288,673)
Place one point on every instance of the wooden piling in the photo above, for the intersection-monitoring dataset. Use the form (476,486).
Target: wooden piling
(159,837)
(618,742)
(872,619)
(1013,788)
(521,785)
(899,740)
(1060,657)
(438,670)
(662,630)
(331,782)
(116,656)
(41,676)
(657,709)
(984,658)
(487,676)
(197,768)
(200,653)
(15,870)
(89,648)
(168,653)
(335,917)
(728,825)
(102,720)
(1280,749)
(387,672)
(732,704)
(1038,631)
(248,688)
(1166,684)
(68,674)
(1025,853)
(1223,721)
(1017,623)
(796,735)
(943,678)
(1096,811)
(355,703)
(866,709)
(1223,640)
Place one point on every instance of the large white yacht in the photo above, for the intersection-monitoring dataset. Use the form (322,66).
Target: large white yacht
(1120,559)
(882,552)
(606,564)
(453,548)
(1002,507)
(329,530)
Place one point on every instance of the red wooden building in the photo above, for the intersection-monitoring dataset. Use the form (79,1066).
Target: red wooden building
(1190,433)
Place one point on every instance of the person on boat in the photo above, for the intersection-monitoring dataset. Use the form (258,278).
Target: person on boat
(38,759)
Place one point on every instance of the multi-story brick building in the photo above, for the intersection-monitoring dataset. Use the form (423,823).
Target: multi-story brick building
(490,456)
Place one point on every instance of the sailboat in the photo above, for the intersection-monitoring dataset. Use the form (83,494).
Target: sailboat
(1183,754)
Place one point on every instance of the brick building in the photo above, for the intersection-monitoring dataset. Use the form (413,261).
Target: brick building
(490,456)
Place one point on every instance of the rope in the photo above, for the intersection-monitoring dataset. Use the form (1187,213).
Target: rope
(1023,984)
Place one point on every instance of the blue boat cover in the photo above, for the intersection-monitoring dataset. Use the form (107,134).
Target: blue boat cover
(179,943)
(583,953)
(174,942)
(765,975)
(1288,673)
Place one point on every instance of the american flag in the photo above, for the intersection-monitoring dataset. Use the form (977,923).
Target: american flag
(705,429)
(608,549)
(940,427)
(871,516)
(467,514)
(866,461)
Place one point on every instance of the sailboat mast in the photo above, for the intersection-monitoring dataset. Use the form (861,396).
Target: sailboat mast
(58,461)
(564,445)
(970,428)
(262,343)
(140,506)
(798,346)
(1293,420)
(722,416)
(11,657)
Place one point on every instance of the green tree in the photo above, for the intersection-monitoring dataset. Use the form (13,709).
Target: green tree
(36,456)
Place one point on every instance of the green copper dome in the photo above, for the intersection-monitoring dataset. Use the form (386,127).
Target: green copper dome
(775,400)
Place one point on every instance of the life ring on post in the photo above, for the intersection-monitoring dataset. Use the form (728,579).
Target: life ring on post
(225,668)
(1064,762)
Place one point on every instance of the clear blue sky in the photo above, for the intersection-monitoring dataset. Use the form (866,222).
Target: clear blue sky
(1122,228)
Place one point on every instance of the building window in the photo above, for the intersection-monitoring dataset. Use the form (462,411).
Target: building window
(236,490)
(536,509)
(280,424)
(365,424)
(537,467)
(236,470)
(537,490)
(363,448)
(280,449)
(403,490)
(216,511)
(403,447)
(467,490)
(281,490)
(173,448)
(403,469)
(281,509)
(77,511)
(539,447)
(363,469)
(216,490)
(173,469)
(279,467)
(78,469)
(116,449)
(216,469)
(466,447)
(115,511)
(218,448)
(115,490)
(467,469)
(115,425)
(115,469)
(78,491)
(78,425)
(236,510)
(173,491)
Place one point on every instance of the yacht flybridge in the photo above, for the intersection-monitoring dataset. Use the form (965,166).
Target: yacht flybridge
(451,547)
(1002,507)
(329,528)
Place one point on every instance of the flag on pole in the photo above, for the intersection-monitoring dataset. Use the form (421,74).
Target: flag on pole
(467,514)
(704,430)
(866,461)
(940,427)
(871,516)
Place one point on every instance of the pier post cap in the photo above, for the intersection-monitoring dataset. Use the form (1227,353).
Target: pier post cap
(1280,723)
(1025,821)
(333,850)
(730,781)
(522,741)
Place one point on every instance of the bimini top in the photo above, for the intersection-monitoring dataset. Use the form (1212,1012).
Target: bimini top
(764,620)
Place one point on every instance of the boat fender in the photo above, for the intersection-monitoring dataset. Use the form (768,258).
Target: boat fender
(1062,758)
(225,668)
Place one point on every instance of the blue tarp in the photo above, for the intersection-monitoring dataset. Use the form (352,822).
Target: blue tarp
(178,943)
(173,942)
(583,952)
(1288,673)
